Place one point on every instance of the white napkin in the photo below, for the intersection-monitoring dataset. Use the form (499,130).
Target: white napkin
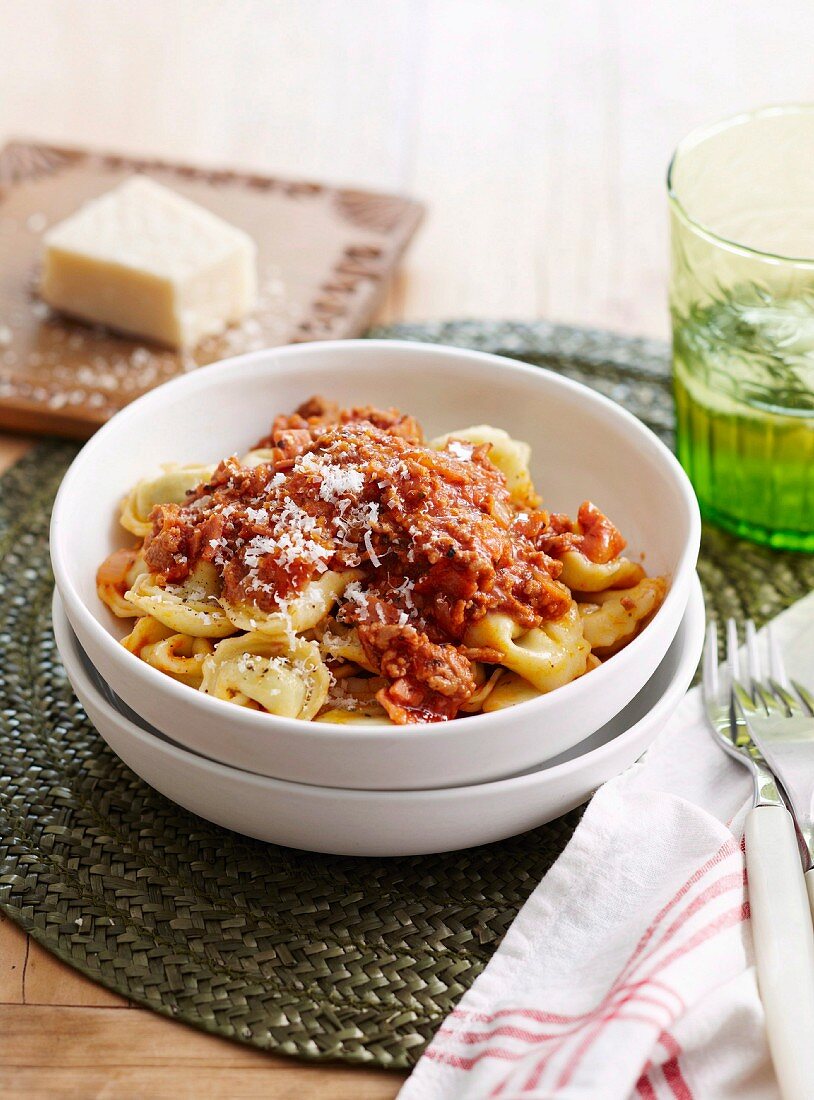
(629,971)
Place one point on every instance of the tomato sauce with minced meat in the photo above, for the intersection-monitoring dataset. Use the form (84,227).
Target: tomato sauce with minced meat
(434,538)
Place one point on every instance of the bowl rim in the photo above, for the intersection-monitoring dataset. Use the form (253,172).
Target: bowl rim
(697,137)
(248,720)
(693,621)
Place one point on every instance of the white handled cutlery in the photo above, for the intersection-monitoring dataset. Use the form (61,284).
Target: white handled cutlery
(781,918)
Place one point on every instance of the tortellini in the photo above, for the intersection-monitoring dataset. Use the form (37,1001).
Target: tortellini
(178,655)
(581,574)
(510,690)
(302,613)
(511,457)
(547,656)
(168,487)
(188,608)
(145,633)
(341,643)
(254,670)
(353,701)
(486,686)
(337,717)
(258,457)
(118,572)
(612,618)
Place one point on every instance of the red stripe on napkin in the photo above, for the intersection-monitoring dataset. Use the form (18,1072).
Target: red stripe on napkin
(645,1089)
(720,924)
(630,991)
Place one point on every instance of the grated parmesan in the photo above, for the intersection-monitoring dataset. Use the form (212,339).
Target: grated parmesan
(375,561)
(459,449)
(340,481)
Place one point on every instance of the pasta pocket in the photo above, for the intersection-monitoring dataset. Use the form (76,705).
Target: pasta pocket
(117,573)
(178,655)
(510,690)
(146,632)
(581,574)
(611,619)
(337,717)
(486,685)
(510,456)
(258,457)
(254,670)
(341,643)
(188,608)
(353,701)
(547,656)
(169,487)
(303,612)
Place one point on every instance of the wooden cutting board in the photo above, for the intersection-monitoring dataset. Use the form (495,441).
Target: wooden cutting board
(324,256)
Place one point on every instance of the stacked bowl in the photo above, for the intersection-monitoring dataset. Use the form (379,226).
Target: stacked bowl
(375,789)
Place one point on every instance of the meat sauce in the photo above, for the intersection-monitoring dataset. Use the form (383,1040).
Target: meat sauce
(433,535)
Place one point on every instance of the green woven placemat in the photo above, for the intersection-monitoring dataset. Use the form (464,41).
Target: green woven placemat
(315,956)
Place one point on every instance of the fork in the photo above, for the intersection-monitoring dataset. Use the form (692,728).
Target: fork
(781,921)
(780,717)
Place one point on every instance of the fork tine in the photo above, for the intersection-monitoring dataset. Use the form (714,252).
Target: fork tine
(805,695)
(732,655)
(709,677)
(744,698)
(772,692)
(733,675)
(762,695)
(777,668)
(753,663)
(787,700)
(733,669)
(741,668)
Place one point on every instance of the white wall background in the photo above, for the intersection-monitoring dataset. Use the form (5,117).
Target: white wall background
(537,130)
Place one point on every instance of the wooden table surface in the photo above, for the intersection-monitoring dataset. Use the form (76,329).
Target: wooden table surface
(537,132)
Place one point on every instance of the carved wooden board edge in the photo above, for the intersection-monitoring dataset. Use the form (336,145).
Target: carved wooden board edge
(350,286)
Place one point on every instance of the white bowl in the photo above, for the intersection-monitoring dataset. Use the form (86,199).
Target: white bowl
(386,823)
(584,447)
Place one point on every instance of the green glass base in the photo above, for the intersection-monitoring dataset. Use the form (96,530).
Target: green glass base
(766,536)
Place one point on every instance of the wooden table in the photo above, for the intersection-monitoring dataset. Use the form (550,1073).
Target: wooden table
(538,133)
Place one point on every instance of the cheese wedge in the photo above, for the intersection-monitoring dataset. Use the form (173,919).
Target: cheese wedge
(149,263)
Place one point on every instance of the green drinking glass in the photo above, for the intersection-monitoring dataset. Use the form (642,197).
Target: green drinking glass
(742,306)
